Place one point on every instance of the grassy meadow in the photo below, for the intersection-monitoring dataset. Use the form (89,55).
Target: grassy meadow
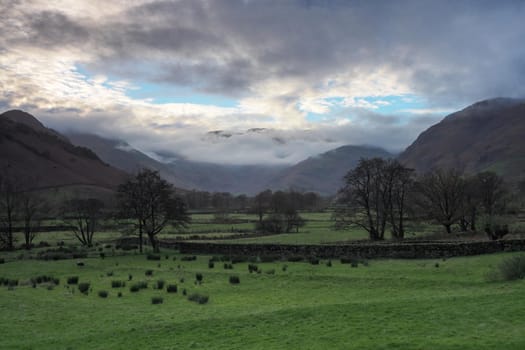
(383,304)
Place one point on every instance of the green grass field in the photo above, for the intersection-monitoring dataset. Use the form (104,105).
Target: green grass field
(389,304)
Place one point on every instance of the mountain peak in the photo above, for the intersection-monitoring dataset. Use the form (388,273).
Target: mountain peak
(19,116)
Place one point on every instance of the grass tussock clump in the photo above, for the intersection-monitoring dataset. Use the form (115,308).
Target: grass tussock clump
(157,300)
(149,273)
(198,298)
(160,284)
(198,277)
(118,284)
(72,280)
(253,268)
(84,287)
(9,282)
(45,279)
(138,286)
(103,294)
(171,288)
(510,269)
(234,280)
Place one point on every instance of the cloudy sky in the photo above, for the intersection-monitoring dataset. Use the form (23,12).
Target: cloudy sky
(314,74)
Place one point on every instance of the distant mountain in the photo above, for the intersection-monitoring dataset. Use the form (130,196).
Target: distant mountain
(324,173)
(32,152)
(488,135)
(123,156)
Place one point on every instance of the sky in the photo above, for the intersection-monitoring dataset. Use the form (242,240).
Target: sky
(282,80)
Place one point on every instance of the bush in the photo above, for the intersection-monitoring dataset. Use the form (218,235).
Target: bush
(2,261)
(198,277)
(102,255)
(252,268)
(8,282)
(72,280)
(171,288)
(211,264)
(119,294)
(118,284)
(153,257)
(285,267)
(239,259)
(329,263)
(157,300)
(198,298)
(103,294)
(84,287)
(160,284)
(184,291)
(228,266)
(235,280)
(130,277)
(149,273)
(510,269)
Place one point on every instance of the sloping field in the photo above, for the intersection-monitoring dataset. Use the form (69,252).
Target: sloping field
(388,304)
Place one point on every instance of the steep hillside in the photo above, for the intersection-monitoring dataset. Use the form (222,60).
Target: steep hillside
(41,156)
(489,135)
(324,173)
(122,156)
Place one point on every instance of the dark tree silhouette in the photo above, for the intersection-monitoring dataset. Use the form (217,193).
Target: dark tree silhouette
(150,201)
(442,196)
(83,215)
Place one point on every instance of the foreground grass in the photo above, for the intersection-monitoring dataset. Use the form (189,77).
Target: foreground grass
(404,304)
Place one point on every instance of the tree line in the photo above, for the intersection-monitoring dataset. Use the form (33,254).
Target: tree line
(381,195)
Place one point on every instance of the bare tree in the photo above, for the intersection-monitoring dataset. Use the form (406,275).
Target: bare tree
(150,201)
(442,196)
(492,194)
(30,206)
(9,205)
(84,216)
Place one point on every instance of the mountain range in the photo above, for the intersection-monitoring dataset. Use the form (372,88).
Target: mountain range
(488,135)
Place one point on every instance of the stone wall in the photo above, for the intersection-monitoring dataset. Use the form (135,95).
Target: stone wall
(410,250)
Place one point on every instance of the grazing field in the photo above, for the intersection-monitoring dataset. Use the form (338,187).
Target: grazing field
(381,304)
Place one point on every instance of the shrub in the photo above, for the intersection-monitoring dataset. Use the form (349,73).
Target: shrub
(228,266)
(149,272)
(2,261)
(354,264)
(160,284)
(84,287)
(252,268)
(130,277)
(153,257)
(198,277)
(211,264)
(157,300)
(171,288)
(198,298)
(235,280)
(285,267)
(348,260)
(329,263)
(510,269)
(181,280)
(184,291)
(102,255)
(72,280)
(118,284)
(103,294)
(239,259)
(119,294)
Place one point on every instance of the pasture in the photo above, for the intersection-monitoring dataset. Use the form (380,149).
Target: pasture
(380,304)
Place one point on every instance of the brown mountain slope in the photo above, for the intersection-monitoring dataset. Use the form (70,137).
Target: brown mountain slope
(31,152)
(489,135)
(324,173)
